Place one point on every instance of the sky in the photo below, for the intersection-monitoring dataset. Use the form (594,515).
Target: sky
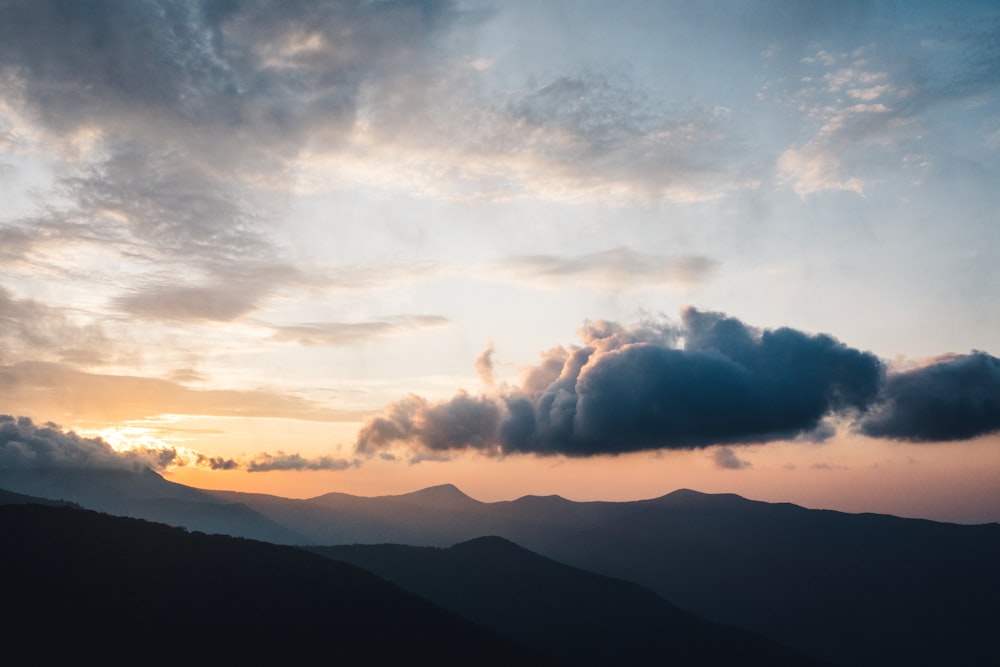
(601,250)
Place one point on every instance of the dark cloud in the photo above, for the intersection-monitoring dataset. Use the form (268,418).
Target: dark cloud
(217,462)
(352,333)
(26,445)
(727,459)
(267,463)
(620,267)
(956,397)
(710,380)
(463,422)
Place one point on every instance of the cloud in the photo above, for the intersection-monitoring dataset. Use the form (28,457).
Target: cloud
(710,380)
(29,327)
(25,445)
(726,459)
(50,388)
(265,462)
(955,397)
(175,129)
(279,71)
(353,333)
(218,303)
(217,462)
(484,365)
(619,267)
(813,168)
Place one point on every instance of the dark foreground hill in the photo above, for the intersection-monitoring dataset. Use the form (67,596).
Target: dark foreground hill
(583,618)
(80,586)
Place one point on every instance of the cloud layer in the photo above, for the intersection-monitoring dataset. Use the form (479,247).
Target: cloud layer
(711,380)
(23,444)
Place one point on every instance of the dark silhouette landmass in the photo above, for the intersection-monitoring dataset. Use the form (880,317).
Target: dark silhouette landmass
(11,498)
(79,585)
(583,618)
(851,589)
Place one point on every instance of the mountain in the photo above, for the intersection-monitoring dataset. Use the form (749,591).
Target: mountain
(11,498)
(144,494)
(583,618)
(852,589)
(81,585)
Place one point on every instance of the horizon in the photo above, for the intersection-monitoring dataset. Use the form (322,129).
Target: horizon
(523,248)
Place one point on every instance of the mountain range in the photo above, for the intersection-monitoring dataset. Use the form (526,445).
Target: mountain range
(848,589)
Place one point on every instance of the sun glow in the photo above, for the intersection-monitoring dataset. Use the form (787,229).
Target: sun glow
(129,438)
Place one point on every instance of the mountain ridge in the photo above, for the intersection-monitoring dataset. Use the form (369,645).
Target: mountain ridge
(889,588)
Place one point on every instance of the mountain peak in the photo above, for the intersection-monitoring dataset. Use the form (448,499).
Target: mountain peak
(439,493)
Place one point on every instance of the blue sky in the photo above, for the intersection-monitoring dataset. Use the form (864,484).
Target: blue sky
(250,231)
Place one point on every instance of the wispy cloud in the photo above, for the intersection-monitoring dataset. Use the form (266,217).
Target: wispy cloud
(29,328)
(50,388)
(266,462)
(616,269)
(353,333)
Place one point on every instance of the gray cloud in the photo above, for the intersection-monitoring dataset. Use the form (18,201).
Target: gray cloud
(217,462)
(220,303)
(267,463)
(955,397)
(618,267)
(353,333)
(25,445)
(30,327)
(601,135)
(712,380)
(727,459)
(188,109)
(281,71)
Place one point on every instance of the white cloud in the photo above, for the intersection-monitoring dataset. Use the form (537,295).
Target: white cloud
(812,168)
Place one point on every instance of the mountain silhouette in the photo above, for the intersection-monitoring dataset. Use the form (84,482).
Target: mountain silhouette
(146,495)
(82,586)
(583,618)
(851,589)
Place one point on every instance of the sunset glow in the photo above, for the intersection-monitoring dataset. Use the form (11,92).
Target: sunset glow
(594,250)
